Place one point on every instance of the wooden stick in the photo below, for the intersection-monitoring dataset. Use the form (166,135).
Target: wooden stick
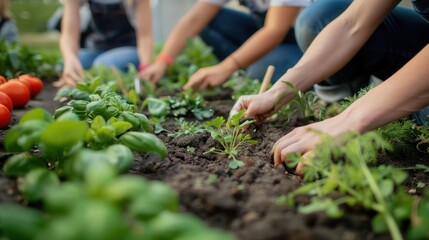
(119,81)
(267,78)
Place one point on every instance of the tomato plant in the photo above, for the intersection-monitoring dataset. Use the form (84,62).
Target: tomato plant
(34,84)
(4,116)
(6,101)
(18,93)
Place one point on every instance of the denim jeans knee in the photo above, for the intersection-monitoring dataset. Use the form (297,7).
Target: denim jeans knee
(421,117)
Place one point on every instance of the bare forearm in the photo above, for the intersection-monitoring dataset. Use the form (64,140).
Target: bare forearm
(405,92)
(336,45)
(144,31)
(256,47)
(70,30)
(189,26)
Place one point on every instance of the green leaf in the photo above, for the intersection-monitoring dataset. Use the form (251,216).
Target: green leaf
(62,135)
(234,164)
(144,142)
(386,187)
(121,127)
(121,157)
(36,114)
(62,198)
(36,182)
(159,198)
(18,222)
(156,107)
(21,164)
(98,122)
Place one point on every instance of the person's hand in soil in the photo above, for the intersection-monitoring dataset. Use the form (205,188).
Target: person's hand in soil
(213,76)
(73,73)
(304,139)
(154,72)
(257,106)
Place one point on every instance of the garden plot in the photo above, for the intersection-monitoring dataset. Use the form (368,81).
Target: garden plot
(172,165)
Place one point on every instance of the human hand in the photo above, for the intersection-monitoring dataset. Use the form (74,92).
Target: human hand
(154,72)
(208,77)
(304,140)
(73,73)
(258,106)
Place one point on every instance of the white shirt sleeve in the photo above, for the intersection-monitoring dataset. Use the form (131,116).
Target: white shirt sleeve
(216,2)
(295,3)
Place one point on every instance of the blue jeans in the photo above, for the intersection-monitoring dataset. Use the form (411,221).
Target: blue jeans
(117,57)
(231,28)
(399,38)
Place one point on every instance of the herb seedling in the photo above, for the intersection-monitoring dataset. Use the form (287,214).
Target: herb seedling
(305,103)
(229,135)
(186,128)
(342,167)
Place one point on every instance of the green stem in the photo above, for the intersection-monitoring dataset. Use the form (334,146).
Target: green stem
(390,221)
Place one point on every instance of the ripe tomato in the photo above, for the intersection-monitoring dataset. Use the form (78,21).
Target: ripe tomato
(4,116)
(2,79)
(18,93)
(34,84)
(6,101)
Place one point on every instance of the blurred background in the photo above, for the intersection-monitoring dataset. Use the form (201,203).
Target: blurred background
(32,18)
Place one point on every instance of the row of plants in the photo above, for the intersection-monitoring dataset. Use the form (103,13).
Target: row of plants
(343,172)
(72,164)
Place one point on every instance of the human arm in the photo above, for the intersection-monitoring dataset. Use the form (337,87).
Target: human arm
(278,22)
(69,44)
(188,26)
(144,32)
(405,92)
(334,46)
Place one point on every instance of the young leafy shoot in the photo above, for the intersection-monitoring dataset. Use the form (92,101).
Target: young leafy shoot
(230,136)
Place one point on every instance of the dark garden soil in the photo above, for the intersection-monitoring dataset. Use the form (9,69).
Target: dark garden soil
(242,201)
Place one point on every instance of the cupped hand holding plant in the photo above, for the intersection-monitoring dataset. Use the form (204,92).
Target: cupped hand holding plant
(257,106)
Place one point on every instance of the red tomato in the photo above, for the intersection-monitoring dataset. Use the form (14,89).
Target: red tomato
(4,116)
(34,84)
(6,101)
(2,79)
(18,93)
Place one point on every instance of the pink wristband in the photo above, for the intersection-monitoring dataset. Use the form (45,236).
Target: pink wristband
(164,57)
(142,67)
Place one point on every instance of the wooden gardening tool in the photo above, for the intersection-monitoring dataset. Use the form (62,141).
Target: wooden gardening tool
(265,82)
(267,78)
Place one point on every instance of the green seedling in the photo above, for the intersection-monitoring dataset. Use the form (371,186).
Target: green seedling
(230,135)
(341,166)
(241,84)
(305,103)
(186,128)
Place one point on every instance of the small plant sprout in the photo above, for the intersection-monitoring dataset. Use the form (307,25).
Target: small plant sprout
(186,128)
(230,135)
(342,166)
(305,103)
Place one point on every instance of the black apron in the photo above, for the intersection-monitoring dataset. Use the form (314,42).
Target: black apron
(110,27)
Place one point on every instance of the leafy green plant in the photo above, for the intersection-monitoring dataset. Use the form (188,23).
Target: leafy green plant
(189,102)
(241,84)
(196,55)
(102,205)
(341,166)
(305,103)
(230,135)
(186,128)
(17,59)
